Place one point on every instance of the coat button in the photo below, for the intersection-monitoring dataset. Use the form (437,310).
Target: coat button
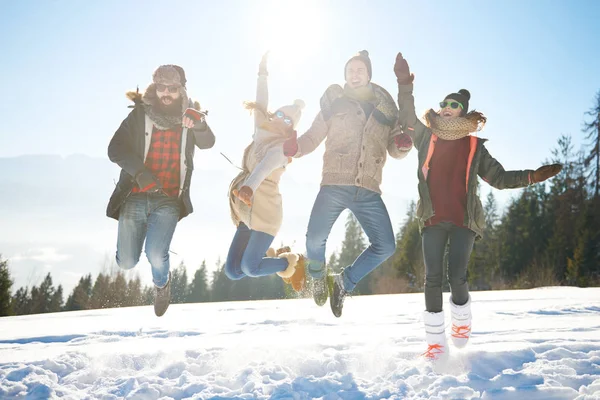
(357,180)
(360,165)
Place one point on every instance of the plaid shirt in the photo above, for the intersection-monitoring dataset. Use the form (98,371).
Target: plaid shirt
(163,159)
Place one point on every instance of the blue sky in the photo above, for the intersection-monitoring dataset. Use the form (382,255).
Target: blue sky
(531,67)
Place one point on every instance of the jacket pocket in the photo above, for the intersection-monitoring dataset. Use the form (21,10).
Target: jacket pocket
(374,167)
(478,215)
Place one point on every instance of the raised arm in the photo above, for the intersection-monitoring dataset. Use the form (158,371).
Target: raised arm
(407,117)
(262,91)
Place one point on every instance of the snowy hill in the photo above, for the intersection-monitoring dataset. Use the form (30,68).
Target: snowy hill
(530,344)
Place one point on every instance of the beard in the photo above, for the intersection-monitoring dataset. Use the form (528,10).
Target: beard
(173,109)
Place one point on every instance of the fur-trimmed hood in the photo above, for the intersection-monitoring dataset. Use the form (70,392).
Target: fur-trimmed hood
(137,98)
(149,101)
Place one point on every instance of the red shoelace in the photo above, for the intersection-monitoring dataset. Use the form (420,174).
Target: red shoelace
(433,351)
(461,332)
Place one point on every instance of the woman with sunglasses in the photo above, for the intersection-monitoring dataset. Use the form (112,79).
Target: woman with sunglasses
(449,208)
(254,198)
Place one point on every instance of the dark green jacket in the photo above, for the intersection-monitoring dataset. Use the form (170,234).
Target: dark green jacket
(128,146)
(480,163)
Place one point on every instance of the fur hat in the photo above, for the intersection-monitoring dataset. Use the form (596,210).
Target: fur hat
(293,111)
(363,56)
(462,97)
(169,75)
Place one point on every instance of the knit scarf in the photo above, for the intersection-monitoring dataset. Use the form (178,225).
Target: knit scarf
(382,101)
(453,128)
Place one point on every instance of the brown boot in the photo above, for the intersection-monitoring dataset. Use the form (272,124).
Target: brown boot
(292,260)
(298,280)
(162,298)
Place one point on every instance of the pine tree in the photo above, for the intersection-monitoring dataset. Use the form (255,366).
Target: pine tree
(179,284)
(199,287)
(100,292)
(483,264)
(21,302)
(592,159)
(134,292)
(56,300)
(79,299)
(566,202)
(221,287)
(354,242)
(5,285)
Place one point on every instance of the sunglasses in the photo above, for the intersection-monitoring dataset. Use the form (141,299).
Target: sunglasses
(163,88)
(452,104)
(280,115)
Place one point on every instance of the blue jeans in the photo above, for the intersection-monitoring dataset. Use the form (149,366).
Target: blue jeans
(150,217)
(246,255)
(370,211)
(434,240)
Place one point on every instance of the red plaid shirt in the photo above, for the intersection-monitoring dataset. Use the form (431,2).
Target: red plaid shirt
(163,159)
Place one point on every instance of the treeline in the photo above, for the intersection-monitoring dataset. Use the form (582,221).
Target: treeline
(110,290)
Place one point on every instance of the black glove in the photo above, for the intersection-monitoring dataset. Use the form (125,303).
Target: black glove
(147,182)
(402,71)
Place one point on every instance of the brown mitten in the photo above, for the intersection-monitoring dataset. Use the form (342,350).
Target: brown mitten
(244,194)
(544,172)
(403,75)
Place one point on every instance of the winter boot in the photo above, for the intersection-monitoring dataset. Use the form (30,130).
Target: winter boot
(320,290)
(338,294)
(461,323)
(435,335)
(298,280)
(162,298)
(292,259)
(271,253)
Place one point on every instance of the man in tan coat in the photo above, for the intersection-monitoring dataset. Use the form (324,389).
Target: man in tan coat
(357,123)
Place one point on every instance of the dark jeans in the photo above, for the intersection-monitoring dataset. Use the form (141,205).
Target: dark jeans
(434,246)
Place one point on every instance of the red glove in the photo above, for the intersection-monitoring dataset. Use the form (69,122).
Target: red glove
(290,146)
(402,71)
(194,114)
(403,142)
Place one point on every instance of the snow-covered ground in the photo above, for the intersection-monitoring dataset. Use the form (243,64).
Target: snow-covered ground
(532,344)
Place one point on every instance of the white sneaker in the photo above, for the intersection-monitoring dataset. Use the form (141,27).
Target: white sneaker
(461,323)
(435,335)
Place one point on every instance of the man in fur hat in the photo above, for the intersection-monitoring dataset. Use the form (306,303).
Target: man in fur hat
(154,146)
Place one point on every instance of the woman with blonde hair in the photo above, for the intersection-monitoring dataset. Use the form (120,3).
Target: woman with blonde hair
(254,198)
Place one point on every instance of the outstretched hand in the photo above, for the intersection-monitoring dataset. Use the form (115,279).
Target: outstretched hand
(262,67)
(402,71)
(545,172)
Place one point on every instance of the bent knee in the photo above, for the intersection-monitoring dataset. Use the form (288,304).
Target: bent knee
(127,262)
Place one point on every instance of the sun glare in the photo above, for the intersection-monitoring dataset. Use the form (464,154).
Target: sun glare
(290,31)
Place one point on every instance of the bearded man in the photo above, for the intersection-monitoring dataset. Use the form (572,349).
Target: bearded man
(154,146)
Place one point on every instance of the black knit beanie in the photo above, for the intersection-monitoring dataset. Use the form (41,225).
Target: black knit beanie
(363,56)
(462,97)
